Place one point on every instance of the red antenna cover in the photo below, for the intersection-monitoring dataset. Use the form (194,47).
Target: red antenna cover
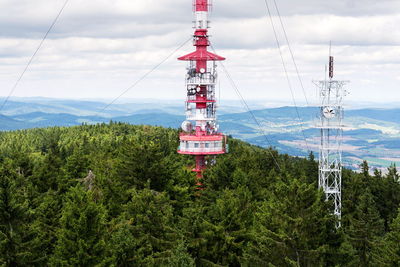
(201,5)
(202,55)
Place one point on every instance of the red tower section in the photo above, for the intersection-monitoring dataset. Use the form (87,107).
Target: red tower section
(201,137)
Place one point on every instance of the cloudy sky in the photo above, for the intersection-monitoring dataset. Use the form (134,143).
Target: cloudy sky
(99,48)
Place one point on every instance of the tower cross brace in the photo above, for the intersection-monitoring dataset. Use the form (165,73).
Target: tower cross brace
(331,94)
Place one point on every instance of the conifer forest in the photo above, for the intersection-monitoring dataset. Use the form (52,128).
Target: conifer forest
(119,195)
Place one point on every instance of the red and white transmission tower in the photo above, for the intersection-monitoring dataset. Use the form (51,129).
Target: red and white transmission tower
(201,138)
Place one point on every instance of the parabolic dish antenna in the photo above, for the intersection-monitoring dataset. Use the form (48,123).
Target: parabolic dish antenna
(187,126)
(329,112)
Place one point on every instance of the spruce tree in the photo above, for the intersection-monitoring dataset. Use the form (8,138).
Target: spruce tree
(293,227)
(389,253)
(311,169)
(77,164)
(142,161)
(14,220)
(216,226)
(44,226)
(364,168)
(393,173)
(80,238)
(366,227)
(144,234)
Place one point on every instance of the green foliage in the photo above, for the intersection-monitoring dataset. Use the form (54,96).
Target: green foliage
(45,225)
(120,195)
(295,222)
(389,253)
(180,257)
(217,226)
(14,219)
(365,229)
(80,237)
(147,222)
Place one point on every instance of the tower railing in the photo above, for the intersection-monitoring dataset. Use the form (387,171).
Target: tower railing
(206,78)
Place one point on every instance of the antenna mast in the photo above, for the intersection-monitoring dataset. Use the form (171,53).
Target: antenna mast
(331,127)
(200,135)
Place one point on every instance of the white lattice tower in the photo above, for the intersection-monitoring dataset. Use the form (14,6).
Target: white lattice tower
(331,95)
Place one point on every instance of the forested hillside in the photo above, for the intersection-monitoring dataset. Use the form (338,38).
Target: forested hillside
(370,133)
(120,195)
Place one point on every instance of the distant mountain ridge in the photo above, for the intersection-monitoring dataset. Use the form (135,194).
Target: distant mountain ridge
(370,133)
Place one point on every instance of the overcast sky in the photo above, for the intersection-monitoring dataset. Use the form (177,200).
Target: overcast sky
(99,48)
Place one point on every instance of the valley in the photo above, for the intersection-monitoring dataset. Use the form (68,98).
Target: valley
(370,134)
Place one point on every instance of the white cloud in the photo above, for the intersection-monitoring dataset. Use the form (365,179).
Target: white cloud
(99,48)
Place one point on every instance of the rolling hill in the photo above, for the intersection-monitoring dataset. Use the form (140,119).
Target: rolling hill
(369,134)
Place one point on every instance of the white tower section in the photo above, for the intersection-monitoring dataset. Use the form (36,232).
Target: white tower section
(331,127)
(201,20)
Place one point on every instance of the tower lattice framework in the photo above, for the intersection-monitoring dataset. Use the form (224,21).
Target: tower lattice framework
(331,94)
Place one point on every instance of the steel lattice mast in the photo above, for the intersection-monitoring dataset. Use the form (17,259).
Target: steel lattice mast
(200,137)
(331,127)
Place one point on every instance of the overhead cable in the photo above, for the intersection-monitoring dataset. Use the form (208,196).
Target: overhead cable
(261,130)
(291,53)
(145,75)
(34,54)
(286,73)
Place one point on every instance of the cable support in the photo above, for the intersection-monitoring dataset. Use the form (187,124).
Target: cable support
(146,74)
(34,54)
(286,73)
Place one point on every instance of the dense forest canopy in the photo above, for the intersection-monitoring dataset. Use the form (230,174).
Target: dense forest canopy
(119,195)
